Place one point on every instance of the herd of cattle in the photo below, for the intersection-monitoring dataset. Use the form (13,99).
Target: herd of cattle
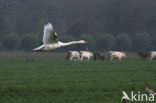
(87,55)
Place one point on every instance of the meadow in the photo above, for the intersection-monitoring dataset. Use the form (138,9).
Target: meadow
(50,78)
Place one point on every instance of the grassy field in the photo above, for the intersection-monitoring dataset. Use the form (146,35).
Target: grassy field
(50,78)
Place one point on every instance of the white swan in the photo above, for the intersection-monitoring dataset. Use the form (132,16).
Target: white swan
(50,40)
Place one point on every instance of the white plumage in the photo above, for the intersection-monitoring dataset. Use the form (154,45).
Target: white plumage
(50,40)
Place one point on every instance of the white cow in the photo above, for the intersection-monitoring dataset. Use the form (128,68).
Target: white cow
(73,55)
(116,54)
(153,54)
(109,53)
(85,55)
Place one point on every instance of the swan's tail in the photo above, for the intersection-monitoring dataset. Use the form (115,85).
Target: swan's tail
(40,48)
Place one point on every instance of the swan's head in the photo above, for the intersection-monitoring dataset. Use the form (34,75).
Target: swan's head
(83,41)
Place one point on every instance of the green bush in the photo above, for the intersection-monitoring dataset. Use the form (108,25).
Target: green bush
(1,46)
(153,42)
(91,41)
(123,42)
(30,41)
(105,42)
(142,41)
(11,41)
(66,38)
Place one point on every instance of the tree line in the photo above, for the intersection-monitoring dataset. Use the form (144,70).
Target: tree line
(102,42)
(106,24)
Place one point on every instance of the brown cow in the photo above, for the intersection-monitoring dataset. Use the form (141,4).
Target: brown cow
(142,55)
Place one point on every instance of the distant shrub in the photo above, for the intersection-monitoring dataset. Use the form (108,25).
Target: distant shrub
(123,42)
(66,38)
(153,42)
(142,41)
(30,41)
(91,41)
(105,42)
(1,46)
(11,41)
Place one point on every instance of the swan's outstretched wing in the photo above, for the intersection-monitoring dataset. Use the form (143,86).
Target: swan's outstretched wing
(49,35)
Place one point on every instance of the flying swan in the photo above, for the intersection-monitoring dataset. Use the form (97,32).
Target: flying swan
(50,40)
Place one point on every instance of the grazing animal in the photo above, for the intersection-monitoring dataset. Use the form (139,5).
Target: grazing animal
(142,55)
(98,56)
(50,40)
(109,53)
(116,54)
(68,55)
(153,54)
(85,55)
(148,90)
(73,55)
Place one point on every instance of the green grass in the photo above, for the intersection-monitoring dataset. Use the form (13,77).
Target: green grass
(56,80)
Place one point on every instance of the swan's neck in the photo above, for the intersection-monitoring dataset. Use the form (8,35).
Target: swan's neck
(70,43)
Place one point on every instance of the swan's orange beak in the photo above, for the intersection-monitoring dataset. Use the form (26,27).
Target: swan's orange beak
(85,42)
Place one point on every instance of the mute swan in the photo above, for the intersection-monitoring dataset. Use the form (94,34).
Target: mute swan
(50,40)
